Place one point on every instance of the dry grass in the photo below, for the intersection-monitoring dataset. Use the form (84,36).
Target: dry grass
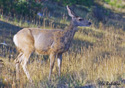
(96,55)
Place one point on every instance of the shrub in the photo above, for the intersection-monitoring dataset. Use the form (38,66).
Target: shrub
(19,7)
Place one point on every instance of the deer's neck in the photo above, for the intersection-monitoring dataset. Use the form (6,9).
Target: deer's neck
(69,33)
(63,39)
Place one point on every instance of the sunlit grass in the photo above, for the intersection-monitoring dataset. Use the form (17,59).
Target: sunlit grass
(117,5)
(96,54)
(83,37)
(98,62)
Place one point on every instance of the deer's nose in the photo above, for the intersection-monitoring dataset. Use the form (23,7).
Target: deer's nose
(90,23)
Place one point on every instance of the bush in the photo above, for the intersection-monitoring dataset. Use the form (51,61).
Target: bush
(19,7)
(71,2)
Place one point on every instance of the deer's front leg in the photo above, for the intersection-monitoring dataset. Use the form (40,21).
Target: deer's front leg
(59,60)
(52,60)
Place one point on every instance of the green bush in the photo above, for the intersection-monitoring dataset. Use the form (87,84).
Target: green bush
(71,2)
(107,1)
(20,7)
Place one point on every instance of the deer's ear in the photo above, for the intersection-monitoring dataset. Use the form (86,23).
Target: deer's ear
(70,12)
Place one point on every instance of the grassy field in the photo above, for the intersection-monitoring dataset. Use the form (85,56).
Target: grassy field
(96,57)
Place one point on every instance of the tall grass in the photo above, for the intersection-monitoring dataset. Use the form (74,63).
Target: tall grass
(102,60)
(96,55)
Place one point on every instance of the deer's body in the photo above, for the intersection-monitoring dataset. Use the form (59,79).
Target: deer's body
(44,41)
(47,42)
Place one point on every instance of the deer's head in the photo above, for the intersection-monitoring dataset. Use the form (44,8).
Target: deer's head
(77,21)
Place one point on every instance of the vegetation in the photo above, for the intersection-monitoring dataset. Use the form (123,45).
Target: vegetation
(96,56)
(116,3)
(19,7)
(72,2)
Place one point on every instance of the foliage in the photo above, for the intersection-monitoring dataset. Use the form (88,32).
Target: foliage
(20,7)
(107,1)
(115,3)
(72,2)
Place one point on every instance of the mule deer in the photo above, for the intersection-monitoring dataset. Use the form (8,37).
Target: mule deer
(47,42)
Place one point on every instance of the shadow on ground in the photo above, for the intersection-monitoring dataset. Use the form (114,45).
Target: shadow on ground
(7,31)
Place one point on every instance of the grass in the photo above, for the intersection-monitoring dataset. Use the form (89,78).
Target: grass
(96,55)
(101,61)
(116,5)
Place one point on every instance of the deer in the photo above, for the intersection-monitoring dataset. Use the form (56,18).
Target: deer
(46,42)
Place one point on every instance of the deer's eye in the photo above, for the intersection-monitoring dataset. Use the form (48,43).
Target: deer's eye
(80,19)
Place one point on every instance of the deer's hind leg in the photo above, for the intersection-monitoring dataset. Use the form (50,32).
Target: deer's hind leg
(18,59)
(59,60)
(52,60)
(25,59)
(17,62)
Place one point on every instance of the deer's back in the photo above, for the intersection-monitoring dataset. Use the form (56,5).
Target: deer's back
(35,39)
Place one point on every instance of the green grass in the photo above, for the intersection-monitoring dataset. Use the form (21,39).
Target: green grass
(116,5)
